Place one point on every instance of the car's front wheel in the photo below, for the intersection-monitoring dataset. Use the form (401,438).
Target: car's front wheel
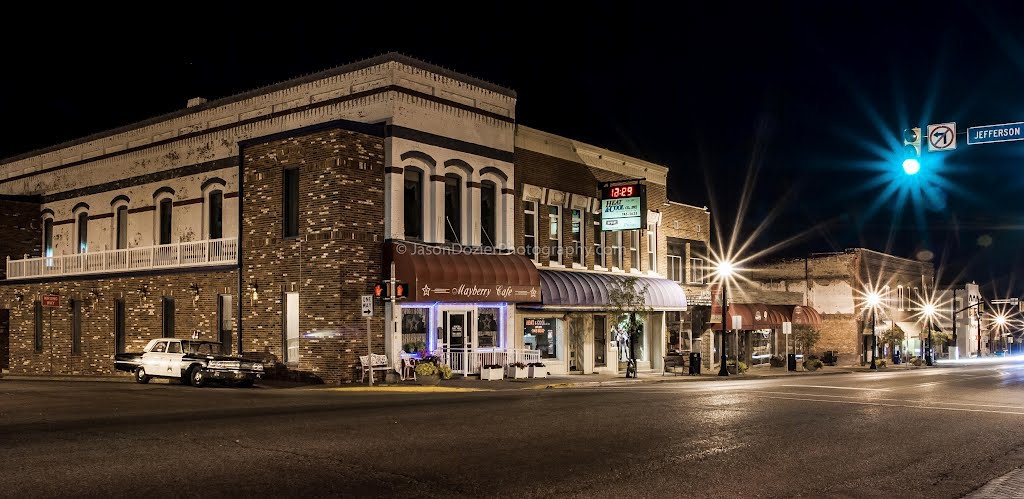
(140,376)
(197,377)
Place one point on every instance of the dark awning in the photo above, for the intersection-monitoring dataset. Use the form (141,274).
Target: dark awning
(745,313)
(588,291)
(446,274)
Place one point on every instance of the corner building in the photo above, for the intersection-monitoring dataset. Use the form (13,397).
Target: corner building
(258,220)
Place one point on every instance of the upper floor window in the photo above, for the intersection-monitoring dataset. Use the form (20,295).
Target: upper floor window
(413,203)
(900,305)
(675,268)
(530,228)
(554,234)
(697,271)
(634,249)
(652,249)
(488,212)
(616,250)
(453,208)
(166,207)
(577,237)
(48,237)
(215,214)
(291,203)
(82,230)
(121,227)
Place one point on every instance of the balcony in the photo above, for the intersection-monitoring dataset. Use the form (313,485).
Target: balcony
(175,255)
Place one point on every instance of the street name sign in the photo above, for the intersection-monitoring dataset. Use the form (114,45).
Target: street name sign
(942,137)
(989,134)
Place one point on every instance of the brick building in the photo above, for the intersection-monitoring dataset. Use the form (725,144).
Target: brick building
(836,286)
(259,219)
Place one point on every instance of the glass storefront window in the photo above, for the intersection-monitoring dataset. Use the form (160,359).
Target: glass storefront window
(414,329)
(539,334)
(487,320)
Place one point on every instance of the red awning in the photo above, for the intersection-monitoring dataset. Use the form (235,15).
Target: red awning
(805,315)
(761,316)
(740,309)
(451,274)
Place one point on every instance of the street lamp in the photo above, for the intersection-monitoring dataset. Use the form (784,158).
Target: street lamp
(724,272)
(1000,324)
(873,300)
(928,310)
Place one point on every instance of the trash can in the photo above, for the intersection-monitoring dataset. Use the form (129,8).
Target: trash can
(694,363)
(791,362)
(897,357)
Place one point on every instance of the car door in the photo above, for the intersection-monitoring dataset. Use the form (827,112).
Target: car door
(172,359)
(153,360)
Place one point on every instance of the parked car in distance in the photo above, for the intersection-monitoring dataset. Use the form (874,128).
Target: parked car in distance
(193,362)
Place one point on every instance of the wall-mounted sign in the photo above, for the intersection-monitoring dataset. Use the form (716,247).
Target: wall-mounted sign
(50,301)
(623,207)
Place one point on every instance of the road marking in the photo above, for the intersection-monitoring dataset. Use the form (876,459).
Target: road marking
(895,400)
(842,388)
(853,402)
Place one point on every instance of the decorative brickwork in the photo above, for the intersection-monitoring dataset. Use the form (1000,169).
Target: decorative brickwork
(20,231)
(336,257)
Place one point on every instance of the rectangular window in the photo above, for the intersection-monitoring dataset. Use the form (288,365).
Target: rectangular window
(121,220)
(675,268)
(414,329)
(216,214)
(83,232)
(167,317)
(530,229)
(291,327)
(634,249)
(38,313)
(899,298)
(600,341)
(598,242)
(291,202)
(616,244)
(577,237)
(539,334)
(224,323)
(413,204)
(453,209)
(652,249)
(488,212)
(76,326)
(916,304)
(166,208)
(119,325)
(554,234)
(48,237)
(697,273)
(487,330)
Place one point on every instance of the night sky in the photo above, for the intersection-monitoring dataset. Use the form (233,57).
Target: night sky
(801,104)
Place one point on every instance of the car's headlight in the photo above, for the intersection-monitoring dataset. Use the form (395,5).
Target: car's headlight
(256,366)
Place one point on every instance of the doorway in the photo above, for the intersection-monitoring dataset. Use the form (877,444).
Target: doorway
(457,337)
(5,340)
(600,341)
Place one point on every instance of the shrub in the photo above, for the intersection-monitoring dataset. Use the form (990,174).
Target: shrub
(444,371)
(537,364)
(811,357)
(916,361)
(813,364)
(777,361)
(426,369)
(492,366)
(520,365)
(742,368)
(880,363)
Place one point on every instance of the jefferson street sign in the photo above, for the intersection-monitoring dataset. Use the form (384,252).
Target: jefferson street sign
(989,134)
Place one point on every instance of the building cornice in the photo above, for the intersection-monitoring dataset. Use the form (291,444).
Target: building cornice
(568,149)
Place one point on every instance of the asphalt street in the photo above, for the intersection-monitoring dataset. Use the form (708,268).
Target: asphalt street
(939,432)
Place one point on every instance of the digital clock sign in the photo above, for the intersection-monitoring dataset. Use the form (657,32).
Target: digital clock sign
(623,207)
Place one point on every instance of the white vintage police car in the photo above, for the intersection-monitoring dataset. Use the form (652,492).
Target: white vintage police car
(193,362)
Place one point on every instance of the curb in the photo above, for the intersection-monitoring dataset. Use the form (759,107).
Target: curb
(688,379)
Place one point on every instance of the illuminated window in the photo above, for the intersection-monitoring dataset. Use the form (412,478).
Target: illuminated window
(577,237)
(530,229)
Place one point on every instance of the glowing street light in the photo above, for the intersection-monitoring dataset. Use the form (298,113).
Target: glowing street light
(873,300)
(724,272)
(928,310)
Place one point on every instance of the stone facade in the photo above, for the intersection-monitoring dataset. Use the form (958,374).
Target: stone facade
(335,258)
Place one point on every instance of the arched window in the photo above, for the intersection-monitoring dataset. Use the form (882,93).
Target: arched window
(48,236)
(164,210)
(453,208)
(413,203)
(215,214)
(488,213)
(82,232)
(121,227)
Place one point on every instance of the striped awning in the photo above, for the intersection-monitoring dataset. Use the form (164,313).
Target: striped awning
(590,291)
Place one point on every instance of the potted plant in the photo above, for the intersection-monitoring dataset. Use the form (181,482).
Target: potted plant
(430,370)
(731,364)
(777,361)
(492,372)
(812,363)
(880,363)
(538,370)
(517,370)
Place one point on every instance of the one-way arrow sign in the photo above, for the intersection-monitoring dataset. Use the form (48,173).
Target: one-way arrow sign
(942,137)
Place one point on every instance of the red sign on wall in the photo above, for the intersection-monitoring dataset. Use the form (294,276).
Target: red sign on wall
(51,301)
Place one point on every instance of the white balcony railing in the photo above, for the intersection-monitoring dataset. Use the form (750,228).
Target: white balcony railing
(190,254)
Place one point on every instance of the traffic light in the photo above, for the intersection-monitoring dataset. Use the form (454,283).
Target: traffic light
(911,150)
(381,291)
(401,290)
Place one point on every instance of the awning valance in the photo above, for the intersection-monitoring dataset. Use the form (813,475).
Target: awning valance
(807,316)
(444,274)
(761,316)
(589,291)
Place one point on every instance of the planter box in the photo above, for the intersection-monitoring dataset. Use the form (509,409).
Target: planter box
(493,374)
(538,372)
(517,372)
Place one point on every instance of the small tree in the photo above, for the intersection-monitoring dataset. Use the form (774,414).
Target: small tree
(627,300)
(805,336)
(893,337)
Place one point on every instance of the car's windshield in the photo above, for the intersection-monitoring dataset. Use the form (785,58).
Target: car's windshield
(204,347)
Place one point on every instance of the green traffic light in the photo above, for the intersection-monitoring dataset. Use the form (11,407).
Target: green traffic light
(911,166)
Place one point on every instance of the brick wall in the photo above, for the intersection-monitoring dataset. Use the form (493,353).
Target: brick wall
(21,231)
(336,258)
(143,295)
